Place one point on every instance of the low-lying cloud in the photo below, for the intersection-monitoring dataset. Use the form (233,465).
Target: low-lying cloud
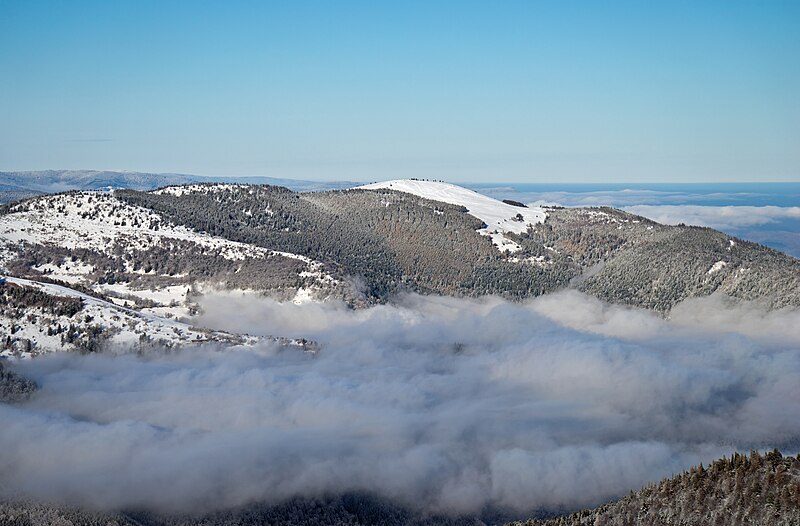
(441,403)
(719,217)
(654,195)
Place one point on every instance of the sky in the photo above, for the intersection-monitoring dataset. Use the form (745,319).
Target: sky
(463,91)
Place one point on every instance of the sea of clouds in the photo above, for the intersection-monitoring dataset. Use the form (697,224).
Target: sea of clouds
(439,403)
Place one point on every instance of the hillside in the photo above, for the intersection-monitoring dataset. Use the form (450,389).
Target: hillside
(499,217)
(755,489)
(383,241)
(37,318)
(42,317)
(434,238)
(155,250)
(136,256)
(148,256)
(631,260)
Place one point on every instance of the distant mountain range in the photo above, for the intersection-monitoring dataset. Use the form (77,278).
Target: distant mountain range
(20,185)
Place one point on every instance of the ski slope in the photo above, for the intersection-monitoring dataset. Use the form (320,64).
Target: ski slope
(499,217)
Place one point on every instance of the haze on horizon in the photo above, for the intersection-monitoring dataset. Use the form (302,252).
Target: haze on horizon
(463,91)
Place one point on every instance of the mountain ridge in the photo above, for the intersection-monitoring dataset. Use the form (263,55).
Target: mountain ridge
(743,489)
(156,251)
(23,184)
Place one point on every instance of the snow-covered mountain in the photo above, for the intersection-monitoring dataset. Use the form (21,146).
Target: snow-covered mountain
(135,273)
(155,252)
(95,228)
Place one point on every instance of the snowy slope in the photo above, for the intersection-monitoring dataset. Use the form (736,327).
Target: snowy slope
(100,221)
(499,217)
(124,327)
(121,328)
(179,190)
(97,220)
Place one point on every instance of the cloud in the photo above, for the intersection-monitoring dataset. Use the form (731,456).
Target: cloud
(718,217)
(590,195)
(440,403)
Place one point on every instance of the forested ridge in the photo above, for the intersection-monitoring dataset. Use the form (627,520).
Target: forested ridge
(761,489)
(158,250)
(393,241)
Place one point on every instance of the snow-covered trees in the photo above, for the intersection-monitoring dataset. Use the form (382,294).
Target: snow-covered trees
(757,488)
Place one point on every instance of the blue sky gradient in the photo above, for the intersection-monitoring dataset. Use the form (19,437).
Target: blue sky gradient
(463,91)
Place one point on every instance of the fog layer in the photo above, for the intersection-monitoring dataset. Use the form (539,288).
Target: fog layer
(442,403)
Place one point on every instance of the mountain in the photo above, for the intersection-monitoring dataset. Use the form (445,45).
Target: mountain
(121,275)
(498,217)
(11,192)
(755,489)
(156,251)
(436,240)
(52,181)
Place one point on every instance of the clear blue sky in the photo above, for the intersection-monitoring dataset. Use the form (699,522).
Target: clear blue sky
(522,91)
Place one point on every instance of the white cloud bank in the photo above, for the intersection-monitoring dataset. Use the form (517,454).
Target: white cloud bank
(441,403)
(718,217)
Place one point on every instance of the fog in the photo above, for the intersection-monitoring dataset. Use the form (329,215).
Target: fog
(719,217)
(438,403)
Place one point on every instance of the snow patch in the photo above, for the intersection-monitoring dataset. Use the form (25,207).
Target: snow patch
(500,241)
(180,190)
(68,271)
(716,267)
